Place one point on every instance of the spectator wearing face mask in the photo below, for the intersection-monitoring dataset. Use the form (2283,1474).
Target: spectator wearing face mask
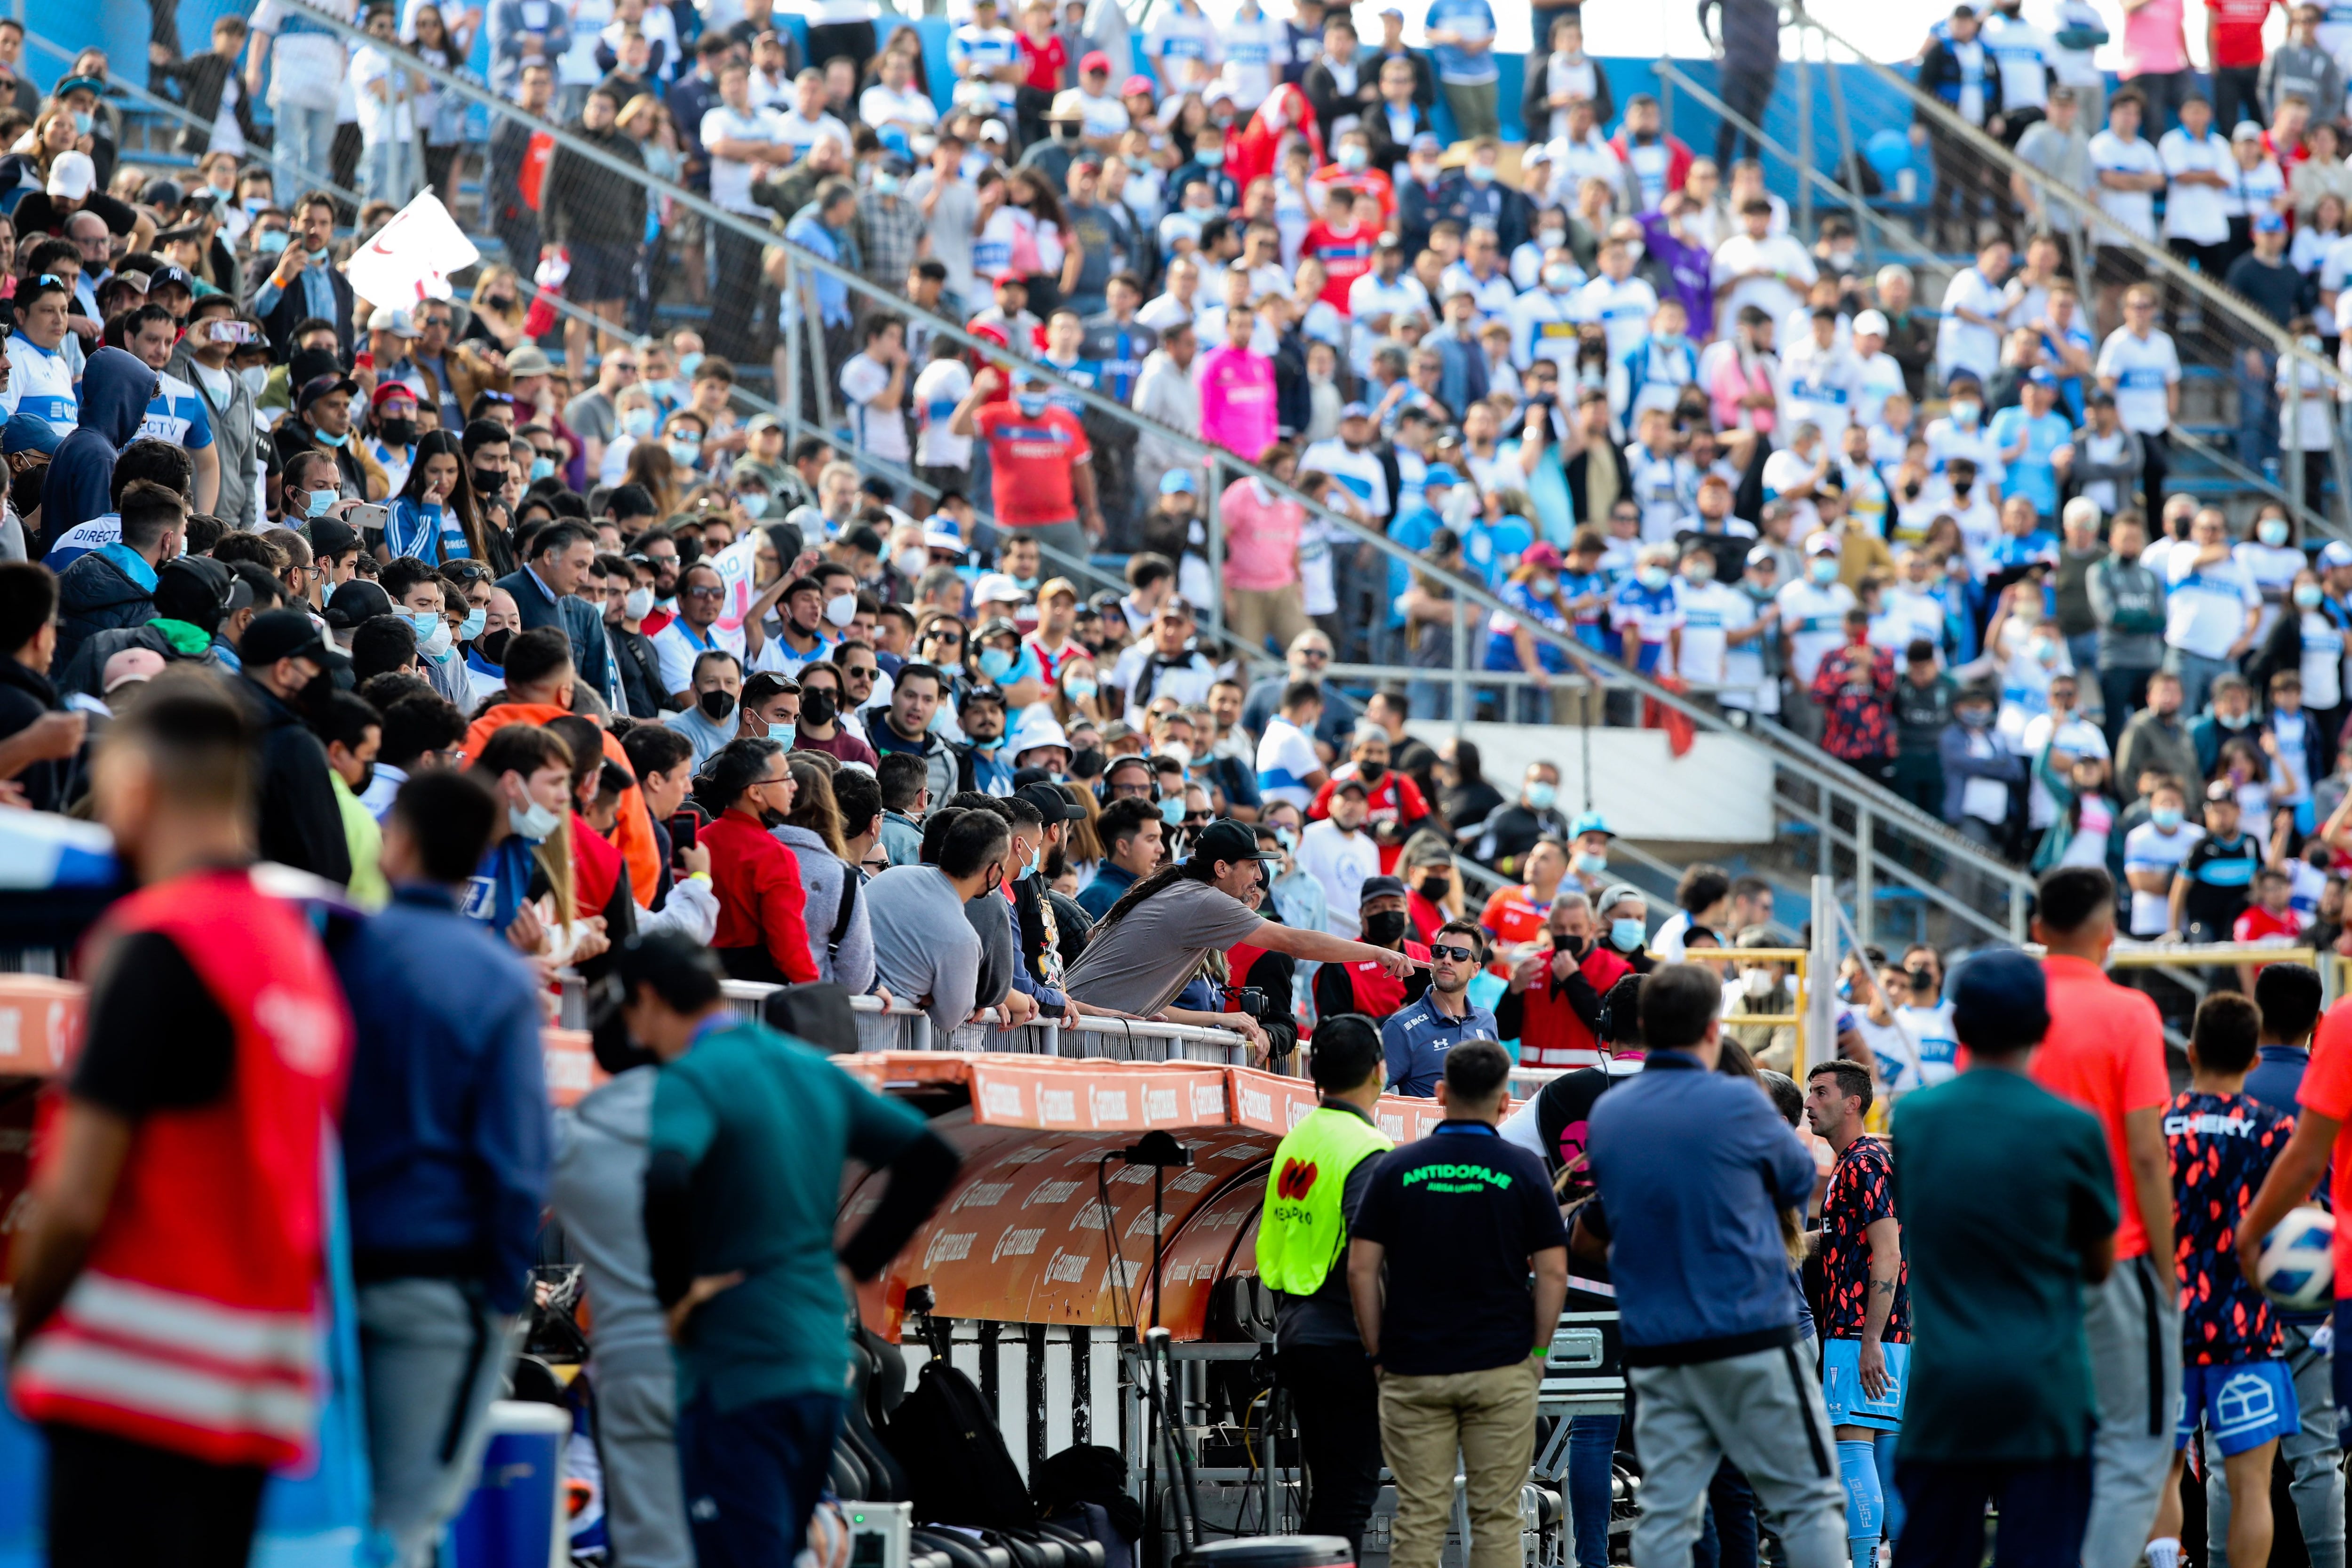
(1366,987)
(762,933)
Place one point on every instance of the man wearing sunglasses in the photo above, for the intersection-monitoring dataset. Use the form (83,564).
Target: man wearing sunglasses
(1417,1037)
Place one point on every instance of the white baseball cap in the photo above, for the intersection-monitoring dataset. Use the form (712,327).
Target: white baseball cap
(1872,322)
(72,176)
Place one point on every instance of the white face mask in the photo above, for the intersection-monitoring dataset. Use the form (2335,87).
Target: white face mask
(534,821)
(841,609)
(432,643)
(639,604)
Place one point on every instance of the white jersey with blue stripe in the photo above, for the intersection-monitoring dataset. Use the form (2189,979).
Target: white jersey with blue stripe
(41,383)
(177,414)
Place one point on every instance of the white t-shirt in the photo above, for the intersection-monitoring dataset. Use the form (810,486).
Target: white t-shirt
(801,134)
(1623,309)
(878,105)
(1929,1031)
(1882,378)
(2143,369)
(1340,862)
(2323,660)
(2205,610)
(2146,849)
(944,383)
(391,118)
(2075,737)
(1711,612)
(2133,212)
(1964,345)
(1814,620)
(1784,470)
(1285,756)
(2194,212)
(731,178)
(1358,472)
(1773,253)
(880,431)
(1820,385)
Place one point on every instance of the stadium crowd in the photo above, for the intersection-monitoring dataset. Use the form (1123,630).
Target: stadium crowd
(542,647)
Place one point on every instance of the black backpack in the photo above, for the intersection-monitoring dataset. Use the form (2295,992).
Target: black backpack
(959,1470)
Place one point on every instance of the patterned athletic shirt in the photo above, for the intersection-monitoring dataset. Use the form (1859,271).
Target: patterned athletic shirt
(1861,1189)
(2222,1146)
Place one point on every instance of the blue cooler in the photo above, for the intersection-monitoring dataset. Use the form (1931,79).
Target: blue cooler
(514,1518)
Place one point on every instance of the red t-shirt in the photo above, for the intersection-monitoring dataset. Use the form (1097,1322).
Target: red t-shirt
(1396,799)
(1345,258)
(1513,917)
(2327,1090)
(2237,31)
(2259,922)
(1030,461)
(2105,1052)
(1045,63)
(1365,183)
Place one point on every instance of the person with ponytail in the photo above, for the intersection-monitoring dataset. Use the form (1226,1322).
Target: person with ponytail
(745,789)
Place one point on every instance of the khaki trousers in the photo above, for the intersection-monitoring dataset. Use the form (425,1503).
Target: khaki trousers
(1489,1418)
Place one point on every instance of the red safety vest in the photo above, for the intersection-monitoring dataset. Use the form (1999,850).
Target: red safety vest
(193,1326)
(1377,992)
(1551,1035)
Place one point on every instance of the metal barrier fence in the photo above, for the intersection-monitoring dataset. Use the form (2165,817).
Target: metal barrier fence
(902,1027)
(1848,823)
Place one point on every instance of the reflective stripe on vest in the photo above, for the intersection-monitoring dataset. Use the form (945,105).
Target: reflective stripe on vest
(1302,1226)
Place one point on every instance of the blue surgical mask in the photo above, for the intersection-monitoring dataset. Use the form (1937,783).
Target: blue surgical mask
(1627,934)
(471,627)
(995,664)
(1542,796)
(326,440)
(82,121)
(316,503)
(2166,818)
(269,242)
(1354,159)
(1171,810)
(687,365)
(1207,157)
(783,734)
(542,467)
(1654,577)
(1078,688)
(1480,173)
(638,421)
(1029,866)
(1824,569)
(2308,596)
(1031,403)
(1590,865)
(686,453)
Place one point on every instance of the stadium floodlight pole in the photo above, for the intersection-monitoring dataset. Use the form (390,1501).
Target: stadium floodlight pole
(1895,808)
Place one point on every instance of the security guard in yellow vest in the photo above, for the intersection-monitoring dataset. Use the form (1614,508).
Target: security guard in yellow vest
(1319,1175)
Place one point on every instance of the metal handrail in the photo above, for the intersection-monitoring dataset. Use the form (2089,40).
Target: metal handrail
(1821,772)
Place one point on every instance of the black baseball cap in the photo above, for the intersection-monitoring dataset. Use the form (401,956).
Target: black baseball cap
(332,536)
(280,634)
(356,601)
(1225,839)
(1052,804)
(1380,888)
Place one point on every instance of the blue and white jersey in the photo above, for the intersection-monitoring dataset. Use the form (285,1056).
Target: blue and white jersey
(1543,326)
(431,534)
(1930,1031)
(974,51)
(40,381)
(1470,20)
(2145,369)
(1360,472)
(1623,311)
(1666,484)
(1644,619)
(177,415)
(83,537)
(1495,295)
(1083,373)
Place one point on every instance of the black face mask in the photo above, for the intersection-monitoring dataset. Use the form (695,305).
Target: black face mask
(1086,762)
(367,777)
(816,707)
(1435,889)
(492,646)
(716,704)
(770,817)
(312,701)
(1372,773)
(397,432)
(1385,929)
(1921,979)
(487,482)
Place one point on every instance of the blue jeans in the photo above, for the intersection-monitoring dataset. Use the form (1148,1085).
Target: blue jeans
(2257,408)
(752,1476)
(1592,1450)
(303,154)
(392,171)
(2198,674)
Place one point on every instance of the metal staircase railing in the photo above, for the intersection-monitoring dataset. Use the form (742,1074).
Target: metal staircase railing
(1903,846)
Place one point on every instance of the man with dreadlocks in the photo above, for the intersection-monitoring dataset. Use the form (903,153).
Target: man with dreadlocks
(1153,939)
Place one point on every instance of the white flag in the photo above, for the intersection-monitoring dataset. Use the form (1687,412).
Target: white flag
(736,565)
(411,258)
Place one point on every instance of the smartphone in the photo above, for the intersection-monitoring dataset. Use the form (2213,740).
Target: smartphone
(364,515)
(683,827)
(363,360)
(232,332)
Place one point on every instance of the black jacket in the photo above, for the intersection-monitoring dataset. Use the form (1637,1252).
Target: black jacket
(201,79)
(581,203)
(87,671)
(1322,91)
(24,695)
(93,595)
(1940,73)
(640,671)
(301,822)
(291,309)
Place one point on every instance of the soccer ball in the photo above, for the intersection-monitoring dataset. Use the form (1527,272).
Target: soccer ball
(2298,1271)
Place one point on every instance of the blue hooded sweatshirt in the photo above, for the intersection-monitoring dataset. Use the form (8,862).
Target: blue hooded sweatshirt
(116,387)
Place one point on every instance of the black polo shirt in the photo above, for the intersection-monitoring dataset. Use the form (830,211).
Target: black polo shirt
(1460,1212)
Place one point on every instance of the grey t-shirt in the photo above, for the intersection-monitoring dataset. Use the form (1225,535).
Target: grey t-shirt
(923,945)
(1139,964)
(590,414)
